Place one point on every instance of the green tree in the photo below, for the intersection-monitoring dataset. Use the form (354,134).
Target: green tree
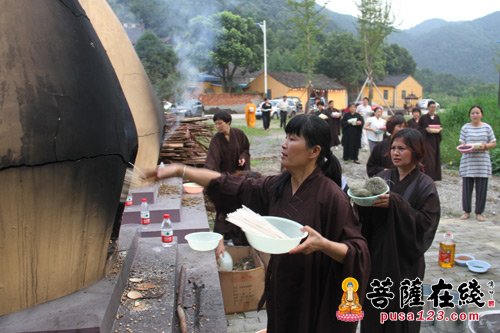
(308,23)
(159,61)
(398,60)
(236,47)
(375,23)
(340,59)
(152,13)
(282,60)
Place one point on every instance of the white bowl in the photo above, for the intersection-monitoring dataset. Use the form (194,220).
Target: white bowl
(352,121)
(192,188)
(478,266)
(463,262)
(365,201)
(274,245)
(485,317)
(203,241)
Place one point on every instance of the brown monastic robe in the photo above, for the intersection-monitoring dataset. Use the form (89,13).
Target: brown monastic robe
(432,158)
(334,124)
(398,237)
(223,156)
(303,292)
(412,123)
(380,158)
(351,136)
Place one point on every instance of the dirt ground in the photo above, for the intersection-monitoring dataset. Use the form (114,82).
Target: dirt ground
(265,147)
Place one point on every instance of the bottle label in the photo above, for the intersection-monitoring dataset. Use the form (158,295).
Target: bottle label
(445,256)
(167,236)
(129,201)
(145,218)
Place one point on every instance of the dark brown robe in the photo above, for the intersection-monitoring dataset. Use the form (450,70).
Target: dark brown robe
(334,124)
(398,237)
(223,156)
(432,157)
(303,292)
(351,136)
(412,123)
(380,158)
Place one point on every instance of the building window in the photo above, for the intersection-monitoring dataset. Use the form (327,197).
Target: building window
(386,94)
(403,94)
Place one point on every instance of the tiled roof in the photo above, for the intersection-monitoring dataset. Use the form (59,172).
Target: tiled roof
(298,80)
(392,80)
(228,99)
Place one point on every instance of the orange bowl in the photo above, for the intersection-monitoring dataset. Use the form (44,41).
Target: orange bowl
(192,188)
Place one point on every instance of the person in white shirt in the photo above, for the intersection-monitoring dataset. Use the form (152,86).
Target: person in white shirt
(283,107)
(365,110)
(375,128)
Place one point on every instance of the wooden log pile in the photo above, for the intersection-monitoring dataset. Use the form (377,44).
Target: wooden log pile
(187,142)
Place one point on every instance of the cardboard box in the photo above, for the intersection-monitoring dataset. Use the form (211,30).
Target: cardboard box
(242,290)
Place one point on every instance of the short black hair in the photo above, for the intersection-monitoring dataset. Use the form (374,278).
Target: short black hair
(224,116)
(430,103)
(393,122)
(416,109)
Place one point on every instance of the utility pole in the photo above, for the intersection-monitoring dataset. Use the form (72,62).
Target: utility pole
(263,28)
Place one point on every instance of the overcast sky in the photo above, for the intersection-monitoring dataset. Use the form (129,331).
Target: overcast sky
(410,13)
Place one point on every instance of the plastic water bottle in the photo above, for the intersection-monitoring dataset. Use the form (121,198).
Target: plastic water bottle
(447,251)
(167,232)
(145,217)
(129,201)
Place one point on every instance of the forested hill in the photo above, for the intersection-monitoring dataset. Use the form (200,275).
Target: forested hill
(464,49)
(460,48)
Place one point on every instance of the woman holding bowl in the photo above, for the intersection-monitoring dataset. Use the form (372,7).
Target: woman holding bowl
(475,166)
(352,128)
(303,289)
(399,228)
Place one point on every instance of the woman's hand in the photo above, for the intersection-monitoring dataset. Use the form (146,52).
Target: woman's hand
(313,243)
(241,162)
(358,122)
(382,201)
(170,171)
(220,249)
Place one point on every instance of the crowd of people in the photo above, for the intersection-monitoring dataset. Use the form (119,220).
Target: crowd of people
(388,239)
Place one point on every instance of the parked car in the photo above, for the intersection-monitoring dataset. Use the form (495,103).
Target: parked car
(294,105)
(275,112)
(423,103)
(189,108)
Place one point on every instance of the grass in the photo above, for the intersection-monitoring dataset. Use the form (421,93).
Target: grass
(456,116)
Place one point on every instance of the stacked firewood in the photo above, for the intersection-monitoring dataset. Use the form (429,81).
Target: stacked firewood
(187,142)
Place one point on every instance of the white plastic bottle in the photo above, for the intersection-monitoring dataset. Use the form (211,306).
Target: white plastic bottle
(145,217)
(130,201)
(167,232)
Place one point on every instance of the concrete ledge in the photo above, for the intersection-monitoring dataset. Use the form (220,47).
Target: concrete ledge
(158,205)
(89,310)
(154,264)
(201,268)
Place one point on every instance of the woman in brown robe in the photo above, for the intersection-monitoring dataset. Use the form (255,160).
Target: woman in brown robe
(302,291)
(399,228)
(229,151)
(380,157)
(432,159)
(333,121)
(416,114)
(352,129)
